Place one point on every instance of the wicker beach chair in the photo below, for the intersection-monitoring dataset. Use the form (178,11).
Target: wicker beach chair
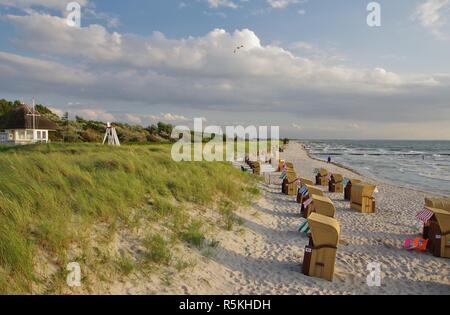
(256,166)
(320,255)
(323,205)
(305,207)
(322,177)
(439,233)
(362,199)
(336,184)
(348,188)
(303,183)
(436,203)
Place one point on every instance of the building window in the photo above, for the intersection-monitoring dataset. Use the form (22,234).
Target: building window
(44,135)
(29,134)
(38,135)
(21,134)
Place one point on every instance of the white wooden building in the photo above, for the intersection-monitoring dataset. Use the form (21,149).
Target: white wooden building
(23,125)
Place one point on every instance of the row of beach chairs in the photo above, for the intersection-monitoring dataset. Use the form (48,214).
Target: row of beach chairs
(324,230)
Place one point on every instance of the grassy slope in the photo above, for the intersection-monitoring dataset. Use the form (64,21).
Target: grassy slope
(53,196)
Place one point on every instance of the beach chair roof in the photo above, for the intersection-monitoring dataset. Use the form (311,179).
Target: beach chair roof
(443,218)
(323,205)
(325,231)
(438,203)
(289,165)
(314,190)
(355,181)
(306,181)
(323,172)
(364,189)
(338,177)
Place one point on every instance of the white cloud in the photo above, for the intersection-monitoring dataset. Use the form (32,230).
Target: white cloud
(29,4)
(137,75)
(222,3)
(281,4)
(433,15)
(167,117)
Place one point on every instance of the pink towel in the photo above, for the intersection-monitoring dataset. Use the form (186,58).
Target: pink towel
(307,202)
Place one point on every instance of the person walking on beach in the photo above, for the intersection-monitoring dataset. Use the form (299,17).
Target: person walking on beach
(329,159)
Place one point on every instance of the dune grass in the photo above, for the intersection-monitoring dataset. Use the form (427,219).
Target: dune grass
(51,196)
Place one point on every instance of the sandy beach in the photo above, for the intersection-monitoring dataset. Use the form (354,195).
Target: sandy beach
(265,256)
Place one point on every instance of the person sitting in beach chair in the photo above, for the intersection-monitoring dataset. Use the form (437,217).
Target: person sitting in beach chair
(348,188)
(320,255)
(322,177)
(362,199)
(336,184)
(322,205)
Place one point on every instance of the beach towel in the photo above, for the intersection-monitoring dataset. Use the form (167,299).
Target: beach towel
(303,190)
(307,202)
(418,244)
(304,228)
(425,215)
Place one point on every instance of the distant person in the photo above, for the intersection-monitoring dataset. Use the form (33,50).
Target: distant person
(329,159)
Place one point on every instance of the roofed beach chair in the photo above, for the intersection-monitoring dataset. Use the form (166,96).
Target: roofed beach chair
(256,166)
(323,205)
(290,181)
(320,255)
(362,199)
(348,188)
(336,184)
(302,189)
(306,200)
(436,203)
(439,233)
(322,177)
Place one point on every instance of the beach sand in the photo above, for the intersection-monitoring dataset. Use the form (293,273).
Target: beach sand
(265,257)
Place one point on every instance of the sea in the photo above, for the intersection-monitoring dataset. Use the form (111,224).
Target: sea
(422,165)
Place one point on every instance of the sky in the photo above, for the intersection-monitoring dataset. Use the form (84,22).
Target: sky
(313,67)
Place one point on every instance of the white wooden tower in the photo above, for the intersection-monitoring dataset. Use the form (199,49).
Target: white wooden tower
(111,136)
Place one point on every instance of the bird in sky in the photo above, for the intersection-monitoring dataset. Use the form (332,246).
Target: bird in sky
(238,48)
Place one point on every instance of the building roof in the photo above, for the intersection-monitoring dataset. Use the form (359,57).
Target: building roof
(22,118)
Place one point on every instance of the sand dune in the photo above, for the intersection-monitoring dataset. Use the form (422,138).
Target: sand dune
(266,257)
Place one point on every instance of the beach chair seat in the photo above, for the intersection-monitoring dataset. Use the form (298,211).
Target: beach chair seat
(437,203)
(322,177)
(362,199)
(320,255)
(439,233)
(323,205)
(305,209)
(336,184)
(348,188)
